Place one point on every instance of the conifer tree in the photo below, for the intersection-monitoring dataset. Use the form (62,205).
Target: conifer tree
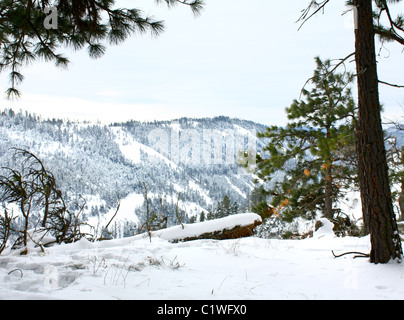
(202,216)
(258,202)
(234,208)
(224,208)
(372,18)
(312,150)
(210,215)
(376,197)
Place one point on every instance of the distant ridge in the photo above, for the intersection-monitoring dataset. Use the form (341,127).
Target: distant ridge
(98,162)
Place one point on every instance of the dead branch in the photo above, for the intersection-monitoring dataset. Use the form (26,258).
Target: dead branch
(358,254)
(16,270)
(391,84)
(113,217)
(305,13)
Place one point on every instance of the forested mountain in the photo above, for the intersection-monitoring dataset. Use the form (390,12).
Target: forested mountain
(191,163)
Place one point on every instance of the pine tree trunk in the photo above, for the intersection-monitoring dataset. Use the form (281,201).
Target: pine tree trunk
(328,213)
(372,164)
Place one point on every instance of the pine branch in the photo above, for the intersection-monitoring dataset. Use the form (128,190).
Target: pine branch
(329,72)
(393,24)
(196,5)
(392,33)
(388,35)
(391,84)
(23,37)
(305,15)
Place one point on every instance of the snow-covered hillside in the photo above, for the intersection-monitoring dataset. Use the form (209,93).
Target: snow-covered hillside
(191,159)
(248,268)
(189,165)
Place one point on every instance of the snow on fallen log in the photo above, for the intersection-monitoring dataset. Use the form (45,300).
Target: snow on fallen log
(230,227)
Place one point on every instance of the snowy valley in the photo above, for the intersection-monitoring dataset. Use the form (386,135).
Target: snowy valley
(191,164)
(129,170)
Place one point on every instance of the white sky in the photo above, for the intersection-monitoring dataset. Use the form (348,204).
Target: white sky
(240,59)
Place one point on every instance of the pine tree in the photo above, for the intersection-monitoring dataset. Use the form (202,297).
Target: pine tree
(202,217)
(226,205)
(376,197)
(259,202)
(224,208)
(234,208)
(312,150)
(210,215)
(377,208)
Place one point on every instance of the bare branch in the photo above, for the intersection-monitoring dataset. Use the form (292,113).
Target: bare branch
(305,15)
(391,84)
(358,254)
(341,62)
(113,217)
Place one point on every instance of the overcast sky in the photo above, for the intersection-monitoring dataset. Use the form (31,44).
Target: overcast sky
(243,59)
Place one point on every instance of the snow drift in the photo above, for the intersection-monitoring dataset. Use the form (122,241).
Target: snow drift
(238,269)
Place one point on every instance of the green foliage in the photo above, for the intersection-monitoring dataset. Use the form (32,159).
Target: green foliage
(382,14)
(179,213)
(259,204)
(91,23)
(202,217)
(224,208)
(311,159)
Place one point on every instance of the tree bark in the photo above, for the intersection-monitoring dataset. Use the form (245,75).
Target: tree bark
(376,199)
(328,194)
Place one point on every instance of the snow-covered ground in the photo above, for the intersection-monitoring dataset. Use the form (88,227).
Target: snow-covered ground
(248,268)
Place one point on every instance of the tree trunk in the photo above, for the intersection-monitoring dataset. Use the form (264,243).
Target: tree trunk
(328,213)
(46,209)
(376,199)
(25,214)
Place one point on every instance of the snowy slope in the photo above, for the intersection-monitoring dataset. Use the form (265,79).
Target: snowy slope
(248,268)
(98,163)
(132,149)
(126,213)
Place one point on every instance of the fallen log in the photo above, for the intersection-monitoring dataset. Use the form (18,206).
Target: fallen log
(231,227)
